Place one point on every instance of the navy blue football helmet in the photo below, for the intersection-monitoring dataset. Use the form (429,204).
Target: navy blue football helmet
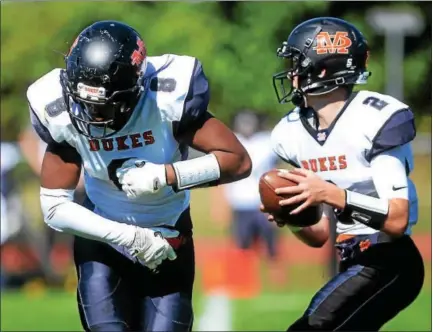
(322,54)
(103,77)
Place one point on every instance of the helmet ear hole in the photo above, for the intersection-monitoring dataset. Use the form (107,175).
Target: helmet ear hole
(318,72)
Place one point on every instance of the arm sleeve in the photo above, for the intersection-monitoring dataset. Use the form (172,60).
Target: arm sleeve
(196,103)
(390,172)
(63,215)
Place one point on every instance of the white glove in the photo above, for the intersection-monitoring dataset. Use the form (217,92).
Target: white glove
(151,248)
(139,177)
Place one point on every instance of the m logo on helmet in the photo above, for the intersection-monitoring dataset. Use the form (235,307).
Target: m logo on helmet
(138,56)
(338,43)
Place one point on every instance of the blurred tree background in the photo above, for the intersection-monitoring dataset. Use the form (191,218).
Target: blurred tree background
(236,42)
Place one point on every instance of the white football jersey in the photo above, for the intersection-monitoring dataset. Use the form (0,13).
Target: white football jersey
(148,135)
(369,124)
(244,194)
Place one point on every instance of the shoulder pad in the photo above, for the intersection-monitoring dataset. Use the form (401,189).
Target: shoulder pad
(374,109)
(386,122)
(47,105)
(155,64)
(169,82)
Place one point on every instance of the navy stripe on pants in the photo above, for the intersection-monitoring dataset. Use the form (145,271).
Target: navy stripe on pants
(374,285)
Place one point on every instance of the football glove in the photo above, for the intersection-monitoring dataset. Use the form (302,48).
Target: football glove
(151,248)
(139,177)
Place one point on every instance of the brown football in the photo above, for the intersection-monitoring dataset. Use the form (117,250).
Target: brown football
(270,181)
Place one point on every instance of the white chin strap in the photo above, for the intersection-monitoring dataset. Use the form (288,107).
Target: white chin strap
(322,93)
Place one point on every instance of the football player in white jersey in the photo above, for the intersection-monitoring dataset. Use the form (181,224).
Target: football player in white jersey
(352,154)
(128,119)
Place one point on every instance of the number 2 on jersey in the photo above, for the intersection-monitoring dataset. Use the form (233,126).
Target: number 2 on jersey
(375,103)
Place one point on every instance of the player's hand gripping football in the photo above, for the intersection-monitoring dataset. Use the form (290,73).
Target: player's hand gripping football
(311,189)
(151,248)
(139,177)
(271,218)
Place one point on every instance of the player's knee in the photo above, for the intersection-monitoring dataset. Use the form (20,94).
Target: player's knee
(109,327)
(172,312)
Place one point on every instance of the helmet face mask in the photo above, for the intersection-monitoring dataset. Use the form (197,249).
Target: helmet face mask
(297,66)
(103,79)
(321,55)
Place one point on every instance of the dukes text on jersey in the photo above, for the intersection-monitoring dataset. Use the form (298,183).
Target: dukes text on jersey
(121,143)
(325,164)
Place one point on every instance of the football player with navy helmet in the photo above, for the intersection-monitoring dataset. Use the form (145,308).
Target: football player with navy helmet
(352,154)
(128,119)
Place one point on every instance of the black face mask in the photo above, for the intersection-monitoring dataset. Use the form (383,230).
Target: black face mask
(104,117)
(101,120)
(296,65)
(101,117)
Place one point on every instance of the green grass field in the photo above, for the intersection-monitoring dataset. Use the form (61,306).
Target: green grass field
(39,309)
(271,311)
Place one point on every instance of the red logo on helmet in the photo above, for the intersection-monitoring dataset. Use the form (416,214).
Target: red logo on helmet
(338,43)
(73,45)
(138,56)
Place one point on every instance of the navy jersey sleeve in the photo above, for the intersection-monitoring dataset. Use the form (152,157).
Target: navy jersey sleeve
(43,131)
(40,129)
(398,130)
(196,103)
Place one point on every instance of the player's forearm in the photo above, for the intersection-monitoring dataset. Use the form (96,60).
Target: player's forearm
(335,197)
(397,220)
(315,235)
(233,166)
(63,215)
(388,215)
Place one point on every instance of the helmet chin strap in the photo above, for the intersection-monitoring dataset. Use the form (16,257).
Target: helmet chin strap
(323,92)
(300,96)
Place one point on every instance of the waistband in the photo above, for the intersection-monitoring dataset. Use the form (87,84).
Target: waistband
(177,242)
(376,237)
(349,246)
